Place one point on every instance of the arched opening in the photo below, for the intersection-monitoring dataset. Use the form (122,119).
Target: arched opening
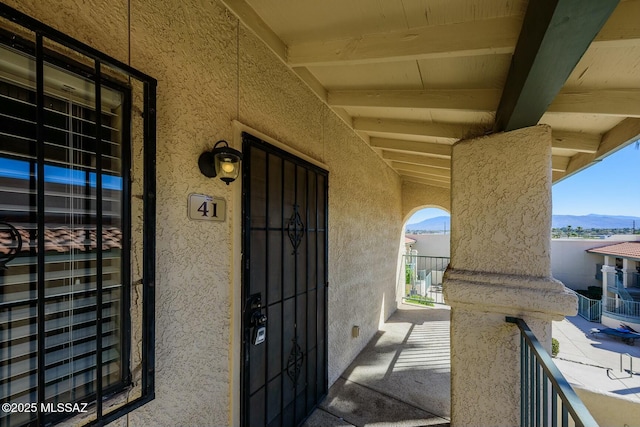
(426,256)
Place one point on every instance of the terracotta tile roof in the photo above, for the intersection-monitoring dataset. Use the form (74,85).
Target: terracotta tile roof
(64,239)
(409,240)
(624,250)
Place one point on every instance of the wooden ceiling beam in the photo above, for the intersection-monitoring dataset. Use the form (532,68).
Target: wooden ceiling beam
(425,181)
(428,148)
(425,176)
(576,141)
(622,29)
(613,102)
(559,163)
(425,170)
(619,136)
(483,37)
(489,37)
(421,128)
(455,99)
(417,159)
(554,36)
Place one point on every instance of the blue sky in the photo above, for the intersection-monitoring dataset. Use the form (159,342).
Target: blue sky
(609,187)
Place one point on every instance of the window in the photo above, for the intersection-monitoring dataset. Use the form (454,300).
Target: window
(67,320)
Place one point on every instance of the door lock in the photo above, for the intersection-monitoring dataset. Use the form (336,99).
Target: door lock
(257,320)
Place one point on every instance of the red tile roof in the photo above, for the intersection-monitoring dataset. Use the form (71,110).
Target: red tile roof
(623,250)
(409,240)
(64,239)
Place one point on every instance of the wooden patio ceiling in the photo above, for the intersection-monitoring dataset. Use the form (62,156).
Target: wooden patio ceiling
(412,77)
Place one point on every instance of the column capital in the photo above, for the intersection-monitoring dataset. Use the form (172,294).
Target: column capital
(509,294)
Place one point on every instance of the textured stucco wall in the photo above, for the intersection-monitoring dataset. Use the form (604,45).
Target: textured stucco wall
(500,266)
(417,196)
(365,242)
(438,245)
(573,265)
(210,71)
(501,233)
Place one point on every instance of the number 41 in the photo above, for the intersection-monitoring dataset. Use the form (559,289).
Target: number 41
(204,209)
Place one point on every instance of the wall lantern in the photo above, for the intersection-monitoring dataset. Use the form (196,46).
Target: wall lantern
(222,161)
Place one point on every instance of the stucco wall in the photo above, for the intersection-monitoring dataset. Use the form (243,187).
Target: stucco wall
(210,71)
(417,196)
(573,265)
(437,245)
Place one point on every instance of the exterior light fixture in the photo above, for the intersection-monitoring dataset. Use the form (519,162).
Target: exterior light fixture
(222,161)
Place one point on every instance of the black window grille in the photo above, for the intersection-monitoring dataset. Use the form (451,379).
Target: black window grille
(66,131)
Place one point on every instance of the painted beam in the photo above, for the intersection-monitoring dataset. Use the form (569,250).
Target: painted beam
(554,36)
(576,141)
(454,99)
(624,102)
(421,128)
(428,148)
(559,163)
(417,159)
(425,170)
(425,181)
(619,136)
(490,36)
(482,37)
(612,102)
(425,176)
(622,29)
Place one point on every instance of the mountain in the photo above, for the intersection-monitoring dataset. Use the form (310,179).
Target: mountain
(595,221)
(558,221)
(432,224)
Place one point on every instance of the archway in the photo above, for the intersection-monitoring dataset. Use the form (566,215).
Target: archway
(426,255)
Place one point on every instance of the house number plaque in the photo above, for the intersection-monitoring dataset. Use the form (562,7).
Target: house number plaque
(206,208)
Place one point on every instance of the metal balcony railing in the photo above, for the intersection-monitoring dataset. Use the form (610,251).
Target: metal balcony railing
(621,309)
(546,398)
(422,278)
(589,309)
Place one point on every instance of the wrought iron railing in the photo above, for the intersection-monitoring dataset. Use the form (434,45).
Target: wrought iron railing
(422,278)
(621,309)
(546,398)
(589,309)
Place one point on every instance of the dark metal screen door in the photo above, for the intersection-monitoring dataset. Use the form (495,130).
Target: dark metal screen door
(284,291)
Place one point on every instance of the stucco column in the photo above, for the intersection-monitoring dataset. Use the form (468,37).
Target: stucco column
(500,266)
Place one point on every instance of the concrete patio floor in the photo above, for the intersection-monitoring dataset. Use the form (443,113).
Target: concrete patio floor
(584,358)
(401,378)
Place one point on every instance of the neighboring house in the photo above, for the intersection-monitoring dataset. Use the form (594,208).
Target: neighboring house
(408,244)
(575,265)
(620,277)
(232,303)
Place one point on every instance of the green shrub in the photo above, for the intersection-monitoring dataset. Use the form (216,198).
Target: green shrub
(555,347)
